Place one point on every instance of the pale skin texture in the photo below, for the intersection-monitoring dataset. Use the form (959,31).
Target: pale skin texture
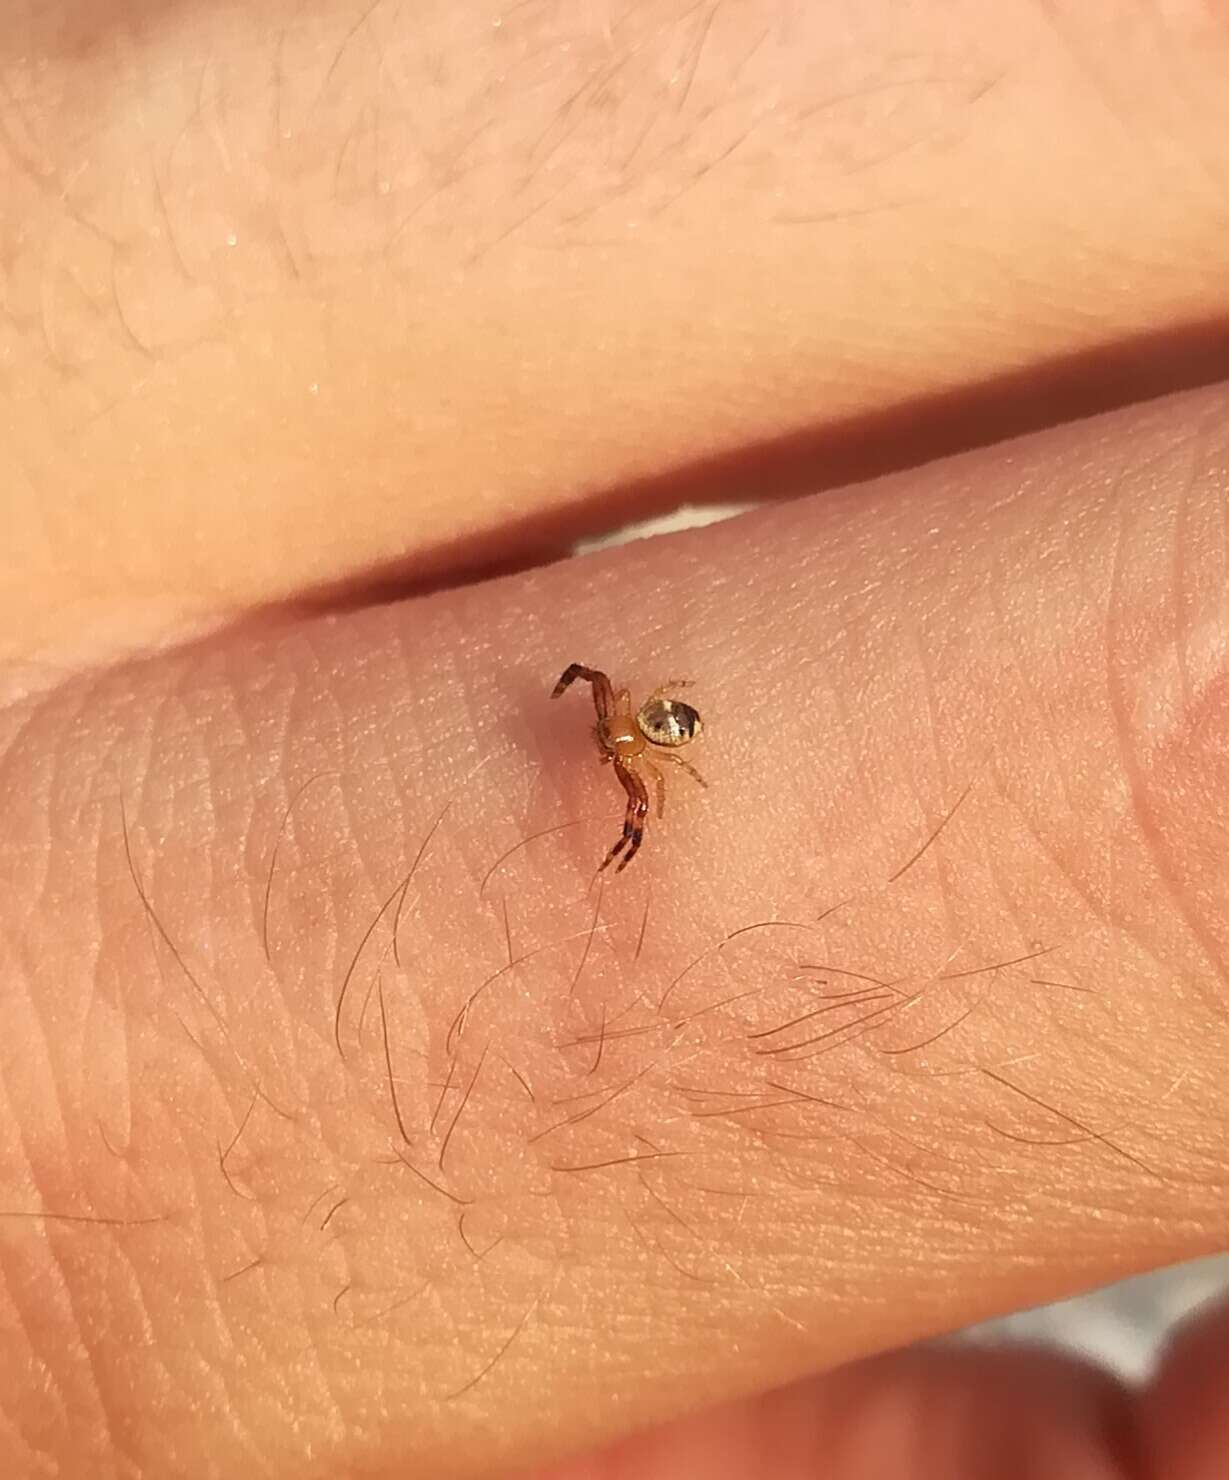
(514,1167)
(275,275)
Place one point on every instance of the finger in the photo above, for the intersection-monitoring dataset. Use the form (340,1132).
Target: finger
(915,1015)
(384,303)
(920,1415)
(1185,1425)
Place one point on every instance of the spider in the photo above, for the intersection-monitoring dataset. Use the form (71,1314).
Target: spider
(629,740)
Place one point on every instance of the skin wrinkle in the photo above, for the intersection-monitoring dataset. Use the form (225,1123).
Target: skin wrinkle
(1149,119)
(208,1361)
(1039,707)
(1179,583)
(101,1374)
(110,1399)
(41,1341)
(319,749)
(1096,898)
(211,1370)
(1132,764)
(934,734)
(351,830)
(1082,891)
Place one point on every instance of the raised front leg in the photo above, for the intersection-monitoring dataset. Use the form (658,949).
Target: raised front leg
(603,694)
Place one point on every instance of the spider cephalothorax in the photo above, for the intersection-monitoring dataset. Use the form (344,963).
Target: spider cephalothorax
(630,739)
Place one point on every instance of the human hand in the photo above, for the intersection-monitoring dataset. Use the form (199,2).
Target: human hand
(267,1207)
(956,1413)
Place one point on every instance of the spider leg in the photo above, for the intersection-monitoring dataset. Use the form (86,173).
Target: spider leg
(633,821)
(677,760)
(603,694)
(669,687)
(660,783)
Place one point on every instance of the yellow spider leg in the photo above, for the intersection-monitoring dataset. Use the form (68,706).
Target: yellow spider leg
(669,687)
(677,760)
(659,782)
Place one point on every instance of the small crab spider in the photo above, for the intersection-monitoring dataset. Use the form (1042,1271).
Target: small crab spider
(630,739)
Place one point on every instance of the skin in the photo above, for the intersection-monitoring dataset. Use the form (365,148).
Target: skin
(240,343)
(326,1148)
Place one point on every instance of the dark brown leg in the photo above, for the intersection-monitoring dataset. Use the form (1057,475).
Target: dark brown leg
(603,694)
(633,822)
